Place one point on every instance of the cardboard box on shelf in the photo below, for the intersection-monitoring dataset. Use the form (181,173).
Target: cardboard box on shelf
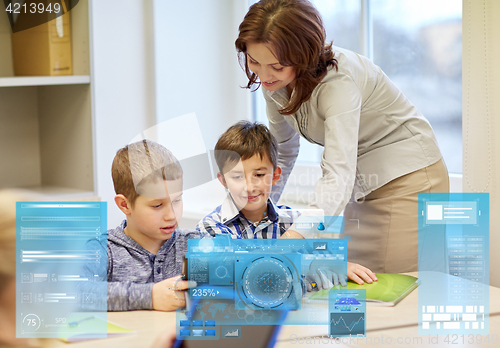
(44,50)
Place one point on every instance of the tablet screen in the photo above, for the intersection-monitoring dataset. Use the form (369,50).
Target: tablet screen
(240,336)
(217,322)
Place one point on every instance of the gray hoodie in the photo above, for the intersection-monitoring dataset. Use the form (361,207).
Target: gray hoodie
(132,270)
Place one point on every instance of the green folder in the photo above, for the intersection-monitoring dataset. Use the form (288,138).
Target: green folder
(387,291)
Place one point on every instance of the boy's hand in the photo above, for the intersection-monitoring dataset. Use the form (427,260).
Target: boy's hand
(359,273)
(292,234)
(168,294)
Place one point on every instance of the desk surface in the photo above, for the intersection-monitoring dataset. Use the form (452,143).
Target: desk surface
(407,337)
(400,322)
(403,315)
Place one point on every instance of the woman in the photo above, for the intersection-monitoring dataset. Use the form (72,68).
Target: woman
(379,151)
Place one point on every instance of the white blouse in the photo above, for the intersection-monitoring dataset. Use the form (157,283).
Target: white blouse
(370,132)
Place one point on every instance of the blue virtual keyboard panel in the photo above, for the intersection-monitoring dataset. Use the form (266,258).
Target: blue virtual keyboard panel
(52,286)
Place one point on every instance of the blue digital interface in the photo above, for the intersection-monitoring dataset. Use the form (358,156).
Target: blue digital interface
(211,317)
(260,276)
(267,281)
(51,252)
(454,263)
(310,223)
(347,312)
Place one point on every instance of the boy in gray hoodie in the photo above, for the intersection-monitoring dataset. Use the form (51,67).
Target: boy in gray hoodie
(145,252)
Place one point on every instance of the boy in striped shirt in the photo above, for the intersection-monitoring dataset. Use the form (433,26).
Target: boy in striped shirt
(247,157)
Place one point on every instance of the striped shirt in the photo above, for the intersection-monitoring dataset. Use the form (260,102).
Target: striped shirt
(227,219)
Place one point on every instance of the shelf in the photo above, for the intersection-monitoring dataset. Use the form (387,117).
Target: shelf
(21,81)
(48,133)
(47,122)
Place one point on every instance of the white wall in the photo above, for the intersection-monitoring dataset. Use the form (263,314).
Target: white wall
(481,111)
(123,84)
(196,64)
(154,60)
(197,71)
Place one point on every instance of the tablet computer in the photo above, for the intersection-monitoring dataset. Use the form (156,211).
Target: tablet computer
(241,336)
(216,322)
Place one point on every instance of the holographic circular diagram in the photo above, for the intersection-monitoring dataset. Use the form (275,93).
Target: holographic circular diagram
(31,322)
(221,272)
(267,282)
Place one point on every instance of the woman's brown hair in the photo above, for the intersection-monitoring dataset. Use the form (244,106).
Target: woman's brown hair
(294,29)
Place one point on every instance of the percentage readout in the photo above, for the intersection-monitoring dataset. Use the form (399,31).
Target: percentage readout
(204,292)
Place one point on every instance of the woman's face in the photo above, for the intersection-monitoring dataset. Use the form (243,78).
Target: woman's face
(263,62)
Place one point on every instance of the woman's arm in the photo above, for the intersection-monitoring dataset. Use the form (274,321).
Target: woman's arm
(288,145)
(339,102)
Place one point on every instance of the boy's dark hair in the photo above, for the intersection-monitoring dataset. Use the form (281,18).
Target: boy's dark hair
(244,140)
(141,163)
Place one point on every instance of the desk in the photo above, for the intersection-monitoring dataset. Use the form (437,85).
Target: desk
(397,337)
(147,324)
(399,322)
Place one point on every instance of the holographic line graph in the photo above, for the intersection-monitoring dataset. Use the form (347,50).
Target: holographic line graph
(353,323)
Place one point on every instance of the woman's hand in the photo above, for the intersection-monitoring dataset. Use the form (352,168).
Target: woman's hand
(325,274)
(358,273)
(323,278)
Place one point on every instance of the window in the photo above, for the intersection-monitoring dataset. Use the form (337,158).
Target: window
(418,44)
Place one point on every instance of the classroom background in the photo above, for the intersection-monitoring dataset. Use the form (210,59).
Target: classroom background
(138,64)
